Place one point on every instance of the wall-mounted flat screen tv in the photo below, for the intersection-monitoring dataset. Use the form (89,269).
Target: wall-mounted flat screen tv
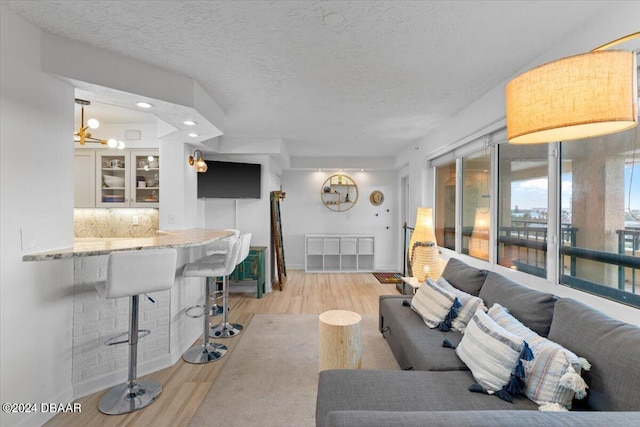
(230,180)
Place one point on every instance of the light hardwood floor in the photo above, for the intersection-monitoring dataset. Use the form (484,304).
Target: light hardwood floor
(185,385)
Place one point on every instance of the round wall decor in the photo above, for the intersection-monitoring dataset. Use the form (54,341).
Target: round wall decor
(376,198)
(339,193)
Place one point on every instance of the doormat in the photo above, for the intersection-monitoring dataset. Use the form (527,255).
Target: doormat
(388,277)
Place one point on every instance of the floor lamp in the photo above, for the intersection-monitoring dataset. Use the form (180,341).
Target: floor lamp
(423,232)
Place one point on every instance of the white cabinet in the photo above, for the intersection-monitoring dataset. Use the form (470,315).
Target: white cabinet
(113,179)
(339,253)
(117,178)
(84,167)
(145,179)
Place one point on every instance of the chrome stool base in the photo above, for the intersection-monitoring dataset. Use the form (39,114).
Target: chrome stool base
(226,330)
(216,310)
(205,354)
(125,398)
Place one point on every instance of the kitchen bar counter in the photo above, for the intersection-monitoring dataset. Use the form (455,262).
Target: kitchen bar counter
(96,367)
(88,246)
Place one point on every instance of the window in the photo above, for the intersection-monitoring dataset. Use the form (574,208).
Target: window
(476,204)
(523,189)
(445,212)
(600,215)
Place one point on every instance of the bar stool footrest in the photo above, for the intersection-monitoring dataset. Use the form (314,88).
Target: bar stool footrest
(118,339)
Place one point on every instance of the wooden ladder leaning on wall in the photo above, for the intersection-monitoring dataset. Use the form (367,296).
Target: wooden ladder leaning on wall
(276,236)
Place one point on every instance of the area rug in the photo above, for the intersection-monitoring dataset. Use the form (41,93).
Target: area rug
(271,377)
(388,277)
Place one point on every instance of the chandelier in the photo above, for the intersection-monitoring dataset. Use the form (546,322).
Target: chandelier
(81,136)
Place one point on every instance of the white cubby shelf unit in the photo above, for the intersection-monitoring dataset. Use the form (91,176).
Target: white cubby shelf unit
(326,253)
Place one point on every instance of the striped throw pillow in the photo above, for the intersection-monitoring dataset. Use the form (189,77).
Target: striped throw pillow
(553,376)
(489,351)
(432,303)
(469,304)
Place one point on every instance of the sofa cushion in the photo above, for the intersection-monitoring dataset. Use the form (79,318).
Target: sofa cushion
(533,308)
(553,376)
(480,419)
(469,305)
(490,351)
(414,345)
(463,276)
(611,346)
(388,390)
(433,303)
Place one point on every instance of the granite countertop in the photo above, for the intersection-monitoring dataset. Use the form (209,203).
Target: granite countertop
(91,246)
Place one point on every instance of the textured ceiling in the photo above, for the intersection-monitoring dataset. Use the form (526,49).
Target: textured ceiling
(368,85)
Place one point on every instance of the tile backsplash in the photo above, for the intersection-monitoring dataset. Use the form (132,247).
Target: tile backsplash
(115,222)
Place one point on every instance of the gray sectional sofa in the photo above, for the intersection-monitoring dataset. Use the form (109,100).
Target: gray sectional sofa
(433,387)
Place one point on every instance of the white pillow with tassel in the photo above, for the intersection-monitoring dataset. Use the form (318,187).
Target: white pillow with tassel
(553,376)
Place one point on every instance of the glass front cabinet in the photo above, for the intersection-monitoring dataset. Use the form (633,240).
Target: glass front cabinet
(128,178)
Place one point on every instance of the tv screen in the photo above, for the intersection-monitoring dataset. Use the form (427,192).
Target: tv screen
(229,180)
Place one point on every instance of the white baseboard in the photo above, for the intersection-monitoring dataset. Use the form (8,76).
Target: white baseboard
(103,382)
(185,345)
(40,418)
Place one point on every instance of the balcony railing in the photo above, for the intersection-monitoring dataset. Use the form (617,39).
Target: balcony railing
(529,240)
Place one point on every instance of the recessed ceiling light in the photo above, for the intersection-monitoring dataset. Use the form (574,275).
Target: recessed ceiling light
(143,104)
(189,123)
(193,135)
(362,170)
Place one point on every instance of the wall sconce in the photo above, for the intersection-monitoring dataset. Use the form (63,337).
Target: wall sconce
(198,162)
(581,96)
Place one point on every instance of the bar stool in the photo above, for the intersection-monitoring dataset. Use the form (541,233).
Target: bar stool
(131,274)
(210,267)
(219,247)
(226,329)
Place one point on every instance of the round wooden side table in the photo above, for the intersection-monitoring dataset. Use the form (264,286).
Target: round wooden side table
(340,346)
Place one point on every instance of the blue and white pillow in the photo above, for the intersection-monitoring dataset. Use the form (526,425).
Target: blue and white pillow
(553,376)
(493,355)
(469,305)
(435,305)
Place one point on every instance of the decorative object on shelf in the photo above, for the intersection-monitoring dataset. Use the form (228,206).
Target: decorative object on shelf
(113,181)
(198,162)
(376,198)
(339,193)
(81,136)
(423,232)
(581,96)
(425,260)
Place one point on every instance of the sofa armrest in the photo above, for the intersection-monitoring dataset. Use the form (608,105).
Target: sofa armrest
(479,418)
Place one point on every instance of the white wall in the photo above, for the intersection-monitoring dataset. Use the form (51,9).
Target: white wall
(247,215)
(36,154)
(303,213)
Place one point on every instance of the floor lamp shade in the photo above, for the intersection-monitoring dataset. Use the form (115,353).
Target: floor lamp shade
(423,231)
(573,98)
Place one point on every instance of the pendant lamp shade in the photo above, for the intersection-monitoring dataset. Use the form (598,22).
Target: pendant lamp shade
(577,97)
